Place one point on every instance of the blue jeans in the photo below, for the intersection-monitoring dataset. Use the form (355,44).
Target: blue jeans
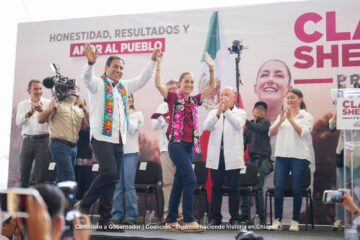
(65,157)
(283,166)
(245,207)
(125,187)
(340,183)
(184,181)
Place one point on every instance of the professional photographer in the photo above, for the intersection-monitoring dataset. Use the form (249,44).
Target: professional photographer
(65,119)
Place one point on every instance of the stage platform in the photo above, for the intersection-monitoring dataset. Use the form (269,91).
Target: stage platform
(319,233)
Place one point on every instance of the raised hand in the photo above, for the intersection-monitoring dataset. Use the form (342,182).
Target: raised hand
(90,54)
(209,61)
(157,55)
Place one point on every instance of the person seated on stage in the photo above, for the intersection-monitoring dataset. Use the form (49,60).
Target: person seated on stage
(257,138)
(225,156)
(65,119)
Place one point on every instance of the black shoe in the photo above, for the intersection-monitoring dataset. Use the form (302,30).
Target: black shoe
(129,222)
(111,225)
(244,218)
(215,223)
(162,222)
(262,221)
(78,206)
(235,222)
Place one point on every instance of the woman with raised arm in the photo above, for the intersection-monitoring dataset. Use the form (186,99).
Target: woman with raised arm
(183,138)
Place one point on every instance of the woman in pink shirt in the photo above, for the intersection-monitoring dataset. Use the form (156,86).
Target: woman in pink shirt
(183,138)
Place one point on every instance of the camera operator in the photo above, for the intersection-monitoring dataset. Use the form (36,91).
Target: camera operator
(35,142)
(65,119)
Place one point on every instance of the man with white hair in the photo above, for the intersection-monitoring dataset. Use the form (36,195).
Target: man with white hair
(225,156)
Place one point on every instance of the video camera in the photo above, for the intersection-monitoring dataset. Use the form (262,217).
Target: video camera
(59,84)
(236,47)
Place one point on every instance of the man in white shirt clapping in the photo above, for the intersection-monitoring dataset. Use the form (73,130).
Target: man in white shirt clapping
(35,141)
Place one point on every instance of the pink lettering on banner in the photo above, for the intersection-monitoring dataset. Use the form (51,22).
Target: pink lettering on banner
(348,56)
(332,56)
(330,46)
(303,53)
(331,34)
(300,27)
(121,47)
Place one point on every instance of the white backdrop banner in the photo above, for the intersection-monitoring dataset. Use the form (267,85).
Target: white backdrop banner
(311,45)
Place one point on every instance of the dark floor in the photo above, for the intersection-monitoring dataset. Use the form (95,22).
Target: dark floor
(320,233)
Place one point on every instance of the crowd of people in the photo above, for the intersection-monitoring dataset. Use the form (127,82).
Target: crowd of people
(68,132)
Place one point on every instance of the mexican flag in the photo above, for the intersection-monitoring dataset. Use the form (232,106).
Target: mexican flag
(217,47)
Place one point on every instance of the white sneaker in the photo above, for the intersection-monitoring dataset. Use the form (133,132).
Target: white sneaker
(173,227)
(294,226)
(192,227)
(277,225)
(338,225)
